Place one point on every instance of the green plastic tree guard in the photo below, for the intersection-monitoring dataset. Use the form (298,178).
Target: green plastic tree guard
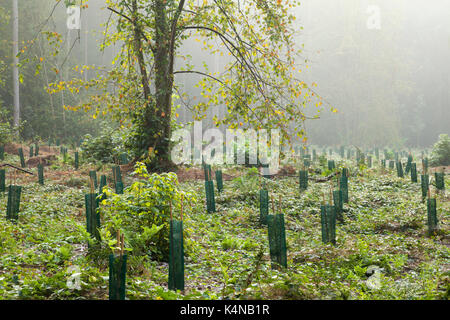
(210,199)
(31,152)
(328,223)
(117,174)
(277,240)
(408,164)
(432,215)
(383,163)
(13,205)
(219,180)
(391,164)
(307,160)
(2,153)
(345,172)
(36,150)
(343,186)
(93,177)
(176,256)
(263,206)
(425,164)
(413,172)
(92,214)
(123,159)
(338,205)
(303,180)
(65,155)
(440,182)
(40,168)
(358,157)
(331,165)
(424,182)
(306,163)
(58,142)
(399,169)
(77,160)
(369,161)
(22,159)
(119,187)
(2,180)
(117,276)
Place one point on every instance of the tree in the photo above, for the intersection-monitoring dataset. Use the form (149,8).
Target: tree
(41,114)
(440,155)
(259,85)
(15,24)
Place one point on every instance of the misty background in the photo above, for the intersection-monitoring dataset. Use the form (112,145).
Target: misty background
(391,85)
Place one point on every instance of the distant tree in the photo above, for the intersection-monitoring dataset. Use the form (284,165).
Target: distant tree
(15,53)
(440,155)
(40,113)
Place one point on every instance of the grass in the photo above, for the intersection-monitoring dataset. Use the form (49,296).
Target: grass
(226,253)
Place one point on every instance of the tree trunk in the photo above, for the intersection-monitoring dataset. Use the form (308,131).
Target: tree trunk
(15,18)
(163,87)
(155,122)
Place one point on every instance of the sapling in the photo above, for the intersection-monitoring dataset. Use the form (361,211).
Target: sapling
(117,270)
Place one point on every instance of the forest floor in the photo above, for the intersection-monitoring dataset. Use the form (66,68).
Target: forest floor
(227,252)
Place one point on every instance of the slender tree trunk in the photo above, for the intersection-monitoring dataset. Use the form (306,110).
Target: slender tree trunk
(163,84)
(15,18)
(47,81)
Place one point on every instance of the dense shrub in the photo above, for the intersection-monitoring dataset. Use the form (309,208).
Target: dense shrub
(142,213)
(6,132)
(105,148)
(440,155)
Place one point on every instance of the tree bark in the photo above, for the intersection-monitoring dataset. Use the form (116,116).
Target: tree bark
(163,84)
(15,18)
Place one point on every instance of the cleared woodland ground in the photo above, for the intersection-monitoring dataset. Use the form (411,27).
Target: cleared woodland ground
(226,252)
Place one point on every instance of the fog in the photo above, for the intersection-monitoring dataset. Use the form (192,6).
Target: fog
(385,65)
(389,81)
(392,84)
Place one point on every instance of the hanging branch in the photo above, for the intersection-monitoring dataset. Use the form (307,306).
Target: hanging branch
(14,167)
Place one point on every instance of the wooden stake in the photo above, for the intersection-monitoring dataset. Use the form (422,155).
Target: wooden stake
(122,244)
(118,241)
(182,197)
